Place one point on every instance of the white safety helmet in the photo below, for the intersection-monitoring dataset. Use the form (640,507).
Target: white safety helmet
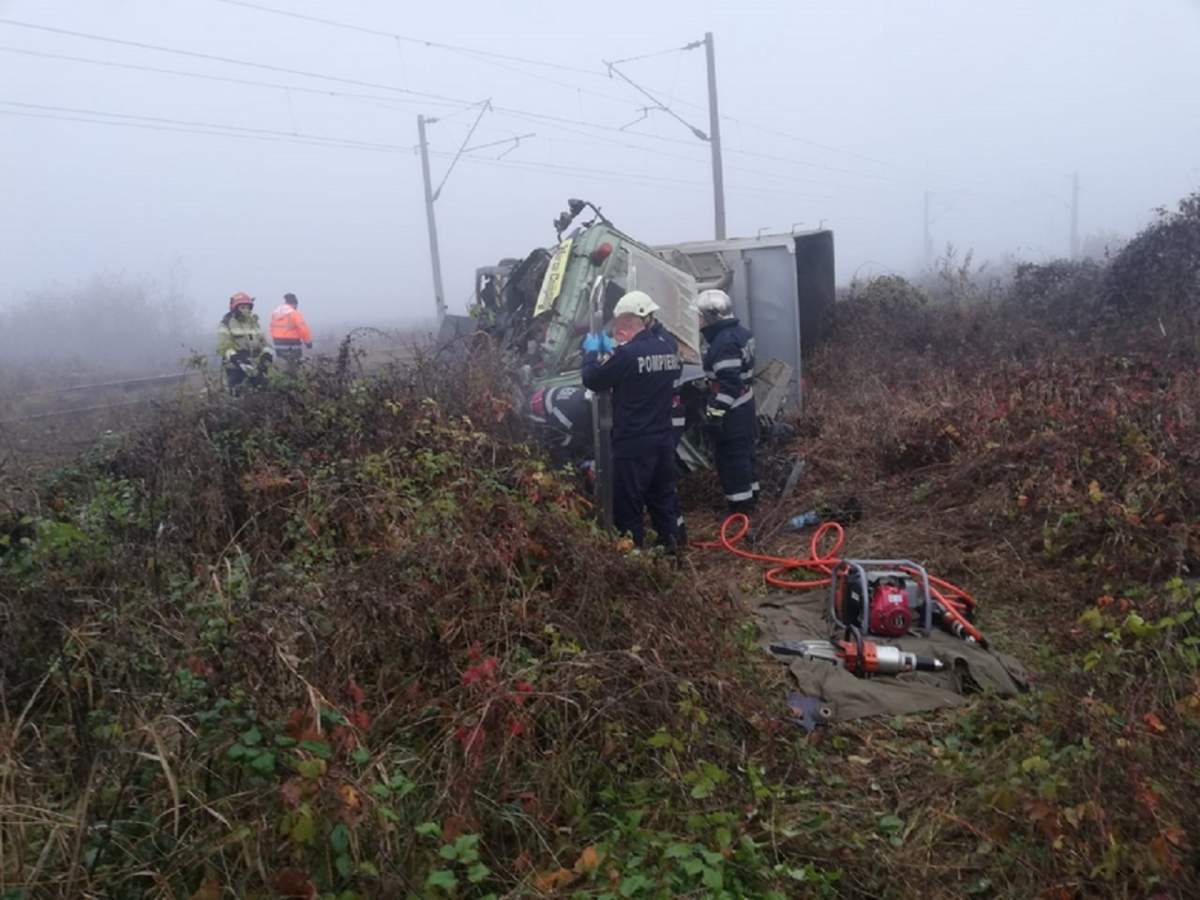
(714,304)
(637,303)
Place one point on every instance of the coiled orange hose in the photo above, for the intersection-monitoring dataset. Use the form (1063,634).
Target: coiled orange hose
(955,602)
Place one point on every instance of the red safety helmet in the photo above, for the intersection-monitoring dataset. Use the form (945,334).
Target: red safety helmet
(241,298)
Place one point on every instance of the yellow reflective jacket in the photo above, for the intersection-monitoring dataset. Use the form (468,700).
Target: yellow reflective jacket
(241,333)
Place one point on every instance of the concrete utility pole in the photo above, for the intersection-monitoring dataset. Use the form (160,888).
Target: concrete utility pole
(928,232)
(1075,216)
(714,120)
(439,296)
(714,140)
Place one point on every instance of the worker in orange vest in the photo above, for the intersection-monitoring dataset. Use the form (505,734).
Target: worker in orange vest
(289,331)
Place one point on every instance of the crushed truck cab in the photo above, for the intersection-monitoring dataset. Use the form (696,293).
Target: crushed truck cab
(541,307)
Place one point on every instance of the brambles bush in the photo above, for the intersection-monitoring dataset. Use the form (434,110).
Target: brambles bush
(351,637)
(1160,268)
(1048,459)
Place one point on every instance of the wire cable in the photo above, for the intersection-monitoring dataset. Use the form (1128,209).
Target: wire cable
(212,57)
(483,108)
(690,46)
(471,51)
(333,23)
(177,130)
(212,127)
(537,165)
(250,82)
(534,166)
(438,98)
(658,104)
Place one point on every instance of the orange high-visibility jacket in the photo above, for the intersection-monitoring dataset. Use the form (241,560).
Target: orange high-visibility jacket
(288,327)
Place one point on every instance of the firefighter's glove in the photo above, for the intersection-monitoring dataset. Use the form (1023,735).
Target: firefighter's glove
(714,422)
(598,343)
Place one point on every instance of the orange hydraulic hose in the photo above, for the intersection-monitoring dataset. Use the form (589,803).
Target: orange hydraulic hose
(953,599)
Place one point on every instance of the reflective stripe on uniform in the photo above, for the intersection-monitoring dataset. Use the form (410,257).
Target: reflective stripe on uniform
(745,398)
(726,364)
(723,398)
(678,423)
(556,412)
(755,487)
(738,497)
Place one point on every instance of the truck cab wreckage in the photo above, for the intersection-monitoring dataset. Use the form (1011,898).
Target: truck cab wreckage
(539,308)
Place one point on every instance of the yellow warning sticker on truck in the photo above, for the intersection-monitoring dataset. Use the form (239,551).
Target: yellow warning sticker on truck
(552,284)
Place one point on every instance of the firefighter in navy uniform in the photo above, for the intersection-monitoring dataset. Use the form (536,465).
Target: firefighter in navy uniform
(730,419)
(563,417)
(641,374)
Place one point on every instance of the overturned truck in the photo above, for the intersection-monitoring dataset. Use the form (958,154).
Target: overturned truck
(540,307)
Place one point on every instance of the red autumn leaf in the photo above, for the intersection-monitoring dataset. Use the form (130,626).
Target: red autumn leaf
(293,884)
(343,739)
(515,727)
(475,653)
(356,694)
(300,725)
(1154,723)
(1147,796)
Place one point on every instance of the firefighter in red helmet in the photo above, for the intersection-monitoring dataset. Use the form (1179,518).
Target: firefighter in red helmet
(244,351)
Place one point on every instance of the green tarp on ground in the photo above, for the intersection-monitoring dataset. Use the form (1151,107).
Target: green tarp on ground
(969,667)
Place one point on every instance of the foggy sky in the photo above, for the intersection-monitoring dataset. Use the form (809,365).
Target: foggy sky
(866,103)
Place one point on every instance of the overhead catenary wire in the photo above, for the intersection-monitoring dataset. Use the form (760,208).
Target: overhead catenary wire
(427,97)
(692,45)
(513,58)
(483,108)
(658,104)
(213,57)
(537,166)
(506,61)
(181,130)
(163,120)
(379,32)
(430,96)
(231,79)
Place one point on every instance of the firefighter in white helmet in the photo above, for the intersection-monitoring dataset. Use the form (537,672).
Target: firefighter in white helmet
(730,420)
(641,373)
